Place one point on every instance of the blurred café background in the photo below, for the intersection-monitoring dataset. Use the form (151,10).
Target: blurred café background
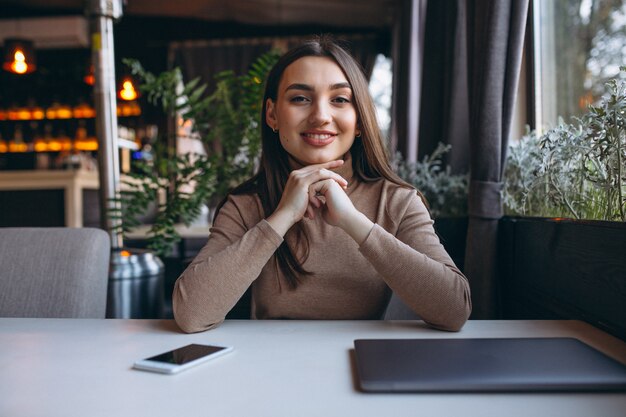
(49,142)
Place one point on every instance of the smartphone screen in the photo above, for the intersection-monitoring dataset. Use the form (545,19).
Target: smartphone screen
(185,354)
(182,358)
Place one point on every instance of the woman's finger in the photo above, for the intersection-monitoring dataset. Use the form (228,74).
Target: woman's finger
(327,166)
(331,164)
(310,212)
(325,174)
(313,200)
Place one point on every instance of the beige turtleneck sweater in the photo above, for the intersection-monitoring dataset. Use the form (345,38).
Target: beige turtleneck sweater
(401,253)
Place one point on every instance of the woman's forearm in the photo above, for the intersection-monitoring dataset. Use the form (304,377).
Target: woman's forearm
(214,282)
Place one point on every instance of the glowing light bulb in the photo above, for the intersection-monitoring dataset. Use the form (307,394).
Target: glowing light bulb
(19,58)
(19,62)
(128,91)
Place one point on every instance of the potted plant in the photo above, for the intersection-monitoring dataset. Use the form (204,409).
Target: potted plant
(226,121)
(446,195)
(567,259)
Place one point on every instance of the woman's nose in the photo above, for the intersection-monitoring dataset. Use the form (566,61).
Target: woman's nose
(320,114)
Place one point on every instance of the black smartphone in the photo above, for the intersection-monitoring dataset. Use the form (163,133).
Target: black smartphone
(182,358)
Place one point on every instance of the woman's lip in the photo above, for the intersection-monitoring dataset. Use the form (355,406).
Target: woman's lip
(318,138)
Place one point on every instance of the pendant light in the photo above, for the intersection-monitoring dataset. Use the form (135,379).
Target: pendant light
(89,77)
(128,92)
(19,56)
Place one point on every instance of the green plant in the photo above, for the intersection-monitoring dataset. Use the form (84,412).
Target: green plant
(445,192)
(227,123)
(232,122)
(573,170)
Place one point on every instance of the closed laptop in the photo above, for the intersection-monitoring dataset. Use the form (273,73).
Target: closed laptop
(485,365)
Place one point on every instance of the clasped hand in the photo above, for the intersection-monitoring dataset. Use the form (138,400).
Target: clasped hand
(316,189)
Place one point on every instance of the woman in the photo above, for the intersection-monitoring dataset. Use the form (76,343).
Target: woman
(325,229)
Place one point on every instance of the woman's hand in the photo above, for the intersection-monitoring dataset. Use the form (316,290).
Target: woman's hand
(337,209)
(297,201)
(332,202)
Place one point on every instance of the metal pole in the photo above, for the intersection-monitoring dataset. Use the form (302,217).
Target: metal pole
(136,276)
(101,15)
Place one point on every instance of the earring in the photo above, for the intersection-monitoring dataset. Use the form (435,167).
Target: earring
(274,130)
(358,135)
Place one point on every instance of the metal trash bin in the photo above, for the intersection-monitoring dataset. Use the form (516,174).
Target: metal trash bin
(136,288)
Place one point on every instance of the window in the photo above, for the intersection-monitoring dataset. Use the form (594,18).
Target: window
(578,46)
(380,89)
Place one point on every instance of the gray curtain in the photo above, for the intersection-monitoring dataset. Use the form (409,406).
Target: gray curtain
(444,109)
(205,59)
(472,58)
(495,35)
(407,53)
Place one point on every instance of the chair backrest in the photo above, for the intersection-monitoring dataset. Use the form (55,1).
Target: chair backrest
(398,310)
(53,272)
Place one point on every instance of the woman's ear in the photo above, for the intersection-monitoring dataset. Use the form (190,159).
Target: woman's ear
(270,114)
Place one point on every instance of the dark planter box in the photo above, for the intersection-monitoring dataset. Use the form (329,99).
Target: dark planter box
(452,232)
(564,269)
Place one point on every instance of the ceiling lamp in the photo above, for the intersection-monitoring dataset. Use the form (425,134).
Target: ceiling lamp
(128,91)
(19,56)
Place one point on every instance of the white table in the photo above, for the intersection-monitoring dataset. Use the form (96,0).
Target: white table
(78,367)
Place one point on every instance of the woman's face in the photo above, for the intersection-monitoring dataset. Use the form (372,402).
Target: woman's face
(314,111)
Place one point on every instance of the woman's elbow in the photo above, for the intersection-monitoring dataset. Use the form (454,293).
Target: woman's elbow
(454,325)
(189,323)
(189,319)
(455,321)
(459,315)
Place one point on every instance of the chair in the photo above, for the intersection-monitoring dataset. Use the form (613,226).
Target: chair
(398,310)
(53,272)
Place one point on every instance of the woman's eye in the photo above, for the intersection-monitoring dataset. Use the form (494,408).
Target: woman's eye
(298,99)
(341,100)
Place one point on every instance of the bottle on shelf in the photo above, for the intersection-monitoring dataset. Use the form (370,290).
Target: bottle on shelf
(17,144)
(52,144)
(36,112)
(51,111)
(39,140)
(42,157)
(64,111)
(82,142)
(23,113)
(83,110)
(64,140)
(58,110)
(4,146)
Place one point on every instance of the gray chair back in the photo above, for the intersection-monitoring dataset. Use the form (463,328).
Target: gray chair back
(53,272)
(398,310)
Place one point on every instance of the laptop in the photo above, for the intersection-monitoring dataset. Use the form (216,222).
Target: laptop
(485,365)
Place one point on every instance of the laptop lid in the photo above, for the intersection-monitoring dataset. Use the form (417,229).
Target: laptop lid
(475,365)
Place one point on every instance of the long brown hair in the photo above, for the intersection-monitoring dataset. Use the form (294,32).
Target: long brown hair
(370,161)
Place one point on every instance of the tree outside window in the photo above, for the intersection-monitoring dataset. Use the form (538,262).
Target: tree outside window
(579,45)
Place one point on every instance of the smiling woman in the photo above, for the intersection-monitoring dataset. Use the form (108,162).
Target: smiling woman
(325,229)
(313,111)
